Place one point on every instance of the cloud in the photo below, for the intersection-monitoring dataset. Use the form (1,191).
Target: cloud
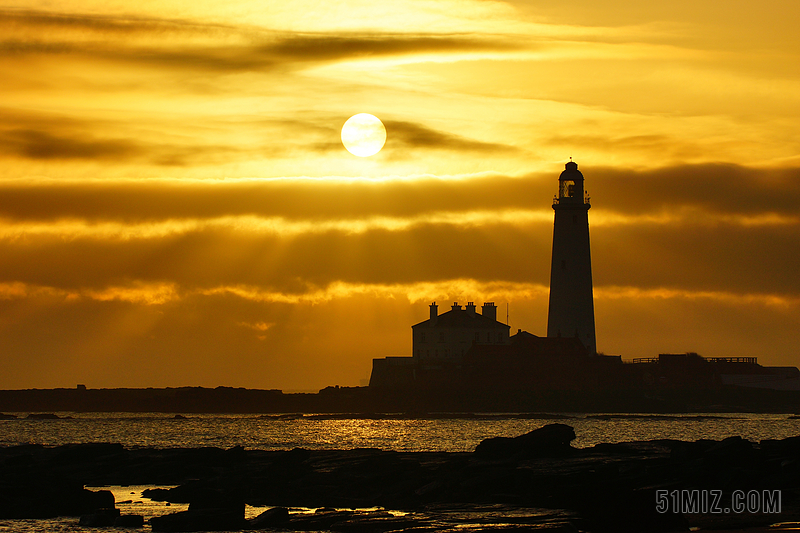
(717,257)
(19,20)
(715,188)
(213,339)
(44,145)
(680,195)
(291,199)
(34,144)
(411,135)
(181,44)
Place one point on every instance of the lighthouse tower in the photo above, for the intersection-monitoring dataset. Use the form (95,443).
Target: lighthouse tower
(571,312)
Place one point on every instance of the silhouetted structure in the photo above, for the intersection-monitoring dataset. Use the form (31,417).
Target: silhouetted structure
(440,344)
(447,337)
(465,348)
(472,353)
(571,309)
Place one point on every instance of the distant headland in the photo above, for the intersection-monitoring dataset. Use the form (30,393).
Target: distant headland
(371,402)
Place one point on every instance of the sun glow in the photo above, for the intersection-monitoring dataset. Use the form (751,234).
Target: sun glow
(363,135)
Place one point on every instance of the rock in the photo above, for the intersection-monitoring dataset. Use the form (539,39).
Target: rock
(129,520)
(200,520)
(99,518)
(90,451)
(547,441)
(789,446)
(50,497)
(43,416)
(625,511)
(270,518)
(375,522)
(733,451)
(4,416)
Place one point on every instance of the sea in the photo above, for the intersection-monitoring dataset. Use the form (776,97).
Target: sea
(443,432)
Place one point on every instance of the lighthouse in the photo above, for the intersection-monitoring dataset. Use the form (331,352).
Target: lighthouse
(571,308)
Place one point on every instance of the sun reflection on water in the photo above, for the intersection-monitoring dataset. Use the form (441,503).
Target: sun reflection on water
(270,432)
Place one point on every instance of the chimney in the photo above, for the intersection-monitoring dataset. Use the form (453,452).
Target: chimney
(434,313)
(456,307)
(489,310)
(471,308)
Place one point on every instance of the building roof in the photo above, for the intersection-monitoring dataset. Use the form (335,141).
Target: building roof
(461,318)
(524,345)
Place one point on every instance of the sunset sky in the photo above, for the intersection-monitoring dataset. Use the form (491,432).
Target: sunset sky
(177,207)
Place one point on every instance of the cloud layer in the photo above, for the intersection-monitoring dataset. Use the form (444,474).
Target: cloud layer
(176,207)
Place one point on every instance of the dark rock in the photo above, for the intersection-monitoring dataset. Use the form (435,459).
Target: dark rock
(90,451)
(43,416)
(4,416)
(200,520)
(99,518)
(211,498)
(129,520)
(48,497)
(88,500)
(733,451)
(547,441)
(374,523)
(270,518)
(294,456)
(789,446)
(322,519)
(623,511)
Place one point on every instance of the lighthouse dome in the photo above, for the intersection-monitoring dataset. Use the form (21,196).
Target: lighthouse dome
(571,173)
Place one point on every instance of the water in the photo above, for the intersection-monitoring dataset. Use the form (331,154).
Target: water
(158,430)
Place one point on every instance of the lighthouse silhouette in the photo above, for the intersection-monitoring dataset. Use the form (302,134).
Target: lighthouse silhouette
(571,308)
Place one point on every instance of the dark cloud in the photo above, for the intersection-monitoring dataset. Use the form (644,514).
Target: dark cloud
(255,49)
(408,134)
(705,258)
(735,259)
(321,47)
(293,199)
(212,257)
(74,144)
(714,189)
(15,20)
(35,144)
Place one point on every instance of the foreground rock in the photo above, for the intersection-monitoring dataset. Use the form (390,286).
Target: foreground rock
(211,519)
(535,480)
(552,440)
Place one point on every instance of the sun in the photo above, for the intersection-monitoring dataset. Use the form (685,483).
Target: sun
(363,135)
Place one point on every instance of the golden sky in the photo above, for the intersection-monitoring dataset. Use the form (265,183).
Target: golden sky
(177,208)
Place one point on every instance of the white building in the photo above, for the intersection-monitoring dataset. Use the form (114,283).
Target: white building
(447,337)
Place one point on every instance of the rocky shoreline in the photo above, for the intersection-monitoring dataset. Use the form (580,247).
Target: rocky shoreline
(534,481)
